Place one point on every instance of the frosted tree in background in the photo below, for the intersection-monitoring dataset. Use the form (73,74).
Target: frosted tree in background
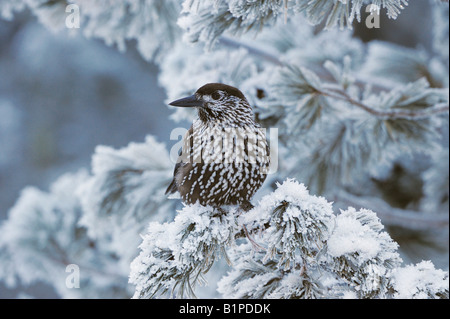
(362,125)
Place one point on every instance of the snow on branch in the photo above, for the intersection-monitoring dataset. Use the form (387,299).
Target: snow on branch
(343,122)
(206,21)
(421,281)
(295,220)
(404,64)
(92,221)
(43,236)
(151,23)
(309,83)
(362,253)
(407,218)
(126,190)
(174,256)
(309,253)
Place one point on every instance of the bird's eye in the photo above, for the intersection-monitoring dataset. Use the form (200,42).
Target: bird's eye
(216,96)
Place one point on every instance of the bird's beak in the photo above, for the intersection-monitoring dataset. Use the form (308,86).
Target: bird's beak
(190,101)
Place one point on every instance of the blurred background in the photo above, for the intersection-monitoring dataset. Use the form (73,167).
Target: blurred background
(62,95)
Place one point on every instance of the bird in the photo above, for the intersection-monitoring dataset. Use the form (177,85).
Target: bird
(225,155)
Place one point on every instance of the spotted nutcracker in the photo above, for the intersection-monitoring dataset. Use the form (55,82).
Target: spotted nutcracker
(225,156)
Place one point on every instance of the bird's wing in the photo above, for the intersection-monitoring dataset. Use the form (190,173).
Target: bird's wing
(182,160)
(173,187)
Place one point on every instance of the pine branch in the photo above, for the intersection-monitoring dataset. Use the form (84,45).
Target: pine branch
(237,44)
(428,282)
(176,255)
(275,60)
(43,235)
(338,94)
(332,256)
(207,21)
(395,216)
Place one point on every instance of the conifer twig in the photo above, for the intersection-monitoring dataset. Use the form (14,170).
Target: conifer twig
(341,94)
(395,216)
(392,115)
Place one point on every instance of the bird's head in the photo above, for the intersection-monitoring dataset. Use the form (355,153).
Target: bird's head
(219,103)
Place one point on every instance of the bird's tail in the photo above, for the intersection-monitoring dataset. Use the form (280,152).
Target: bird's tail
(172,188)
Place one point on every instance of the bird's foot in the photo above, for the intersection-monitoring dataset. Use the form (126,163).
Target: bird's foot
(246,206)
